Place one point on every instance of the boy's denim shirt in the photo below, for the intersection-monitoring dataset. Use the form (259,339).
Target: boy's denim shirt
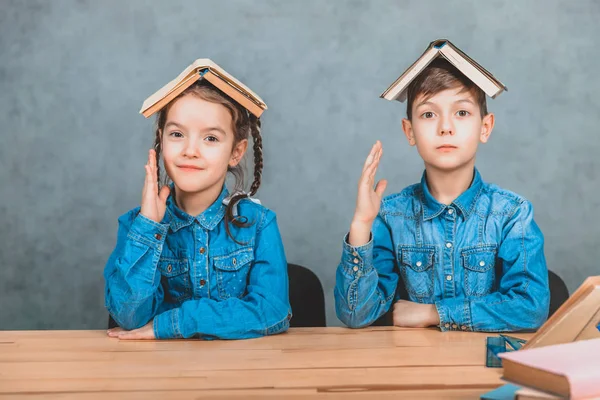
(480,260)
(192,279)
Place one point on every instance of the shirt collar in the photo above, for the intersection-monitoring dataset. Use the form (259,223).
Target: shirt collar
(464,203)
(208,219)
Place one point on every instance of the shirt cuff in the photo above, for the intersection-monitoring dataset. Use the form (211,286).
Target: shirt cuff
(166,325)
(357,259)
(455,314)
(149,232)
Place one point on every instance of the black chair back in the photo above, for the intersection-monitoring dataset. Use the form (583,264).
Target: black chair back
(306,298)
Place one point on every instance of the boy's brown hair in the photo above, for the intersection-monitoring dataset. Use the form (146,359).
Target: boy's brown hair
(440,75)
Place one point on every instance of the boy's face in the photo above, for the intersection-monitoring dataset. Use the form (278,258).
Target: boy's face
(447,128)
(198,144)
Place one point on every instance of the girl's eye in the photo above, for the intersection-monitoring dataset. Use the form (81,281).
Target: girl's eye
(176,134)
(427,114)
(211,139)
(462,113)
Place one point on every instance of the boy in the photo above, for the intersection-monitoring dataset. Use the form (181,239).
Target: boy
(468,253)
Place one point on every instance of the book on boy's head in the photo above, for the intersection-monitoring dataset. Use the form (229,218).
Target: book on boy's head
(465,64)
(204,68)
(570,370)
(576,319)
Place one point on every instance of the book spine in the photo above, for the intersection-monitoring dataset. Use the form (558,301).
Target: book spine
(487,85)
(234,94)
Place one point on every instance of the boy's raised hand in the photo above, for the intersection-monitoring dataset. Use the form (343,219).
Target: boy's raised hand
(368,200)
(154,203)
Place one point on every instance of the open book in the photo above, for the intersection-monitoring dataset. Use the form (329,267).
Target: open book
(576,319)
(204,68)
(465,64)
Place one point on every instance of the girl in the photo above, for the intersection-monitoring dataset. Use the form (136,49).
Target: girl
(194,260)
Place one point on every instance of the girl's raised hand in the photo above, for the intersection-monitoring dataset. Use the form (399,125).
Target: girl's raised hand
(154,203)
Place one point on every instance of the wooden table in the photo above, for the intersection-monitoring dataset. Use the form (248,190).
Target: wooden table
(331,363)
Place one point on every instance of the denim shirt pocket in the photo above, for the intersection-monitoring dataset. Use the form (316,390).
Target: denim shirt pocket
(232,272)
(479,268)
(175,278)
(416,268)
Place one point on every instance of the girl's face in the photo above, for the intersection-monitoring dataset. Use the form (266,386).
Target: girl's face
(198,144)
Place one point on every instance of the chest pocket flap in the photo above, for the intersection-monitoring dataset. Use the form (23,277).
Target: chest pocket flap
(235,260)
(479,259)
(416,268)
(232,271)
(418,259)
(175,278)
(171,267)
(480,274)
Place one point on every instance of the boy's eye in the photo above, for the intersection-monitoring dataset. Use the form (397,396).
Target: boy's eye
(211,139)
(462,113)
(176,134)
(427,114)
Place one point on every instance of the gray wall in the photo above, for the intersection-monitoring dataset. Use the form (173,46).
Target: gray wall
(73,75)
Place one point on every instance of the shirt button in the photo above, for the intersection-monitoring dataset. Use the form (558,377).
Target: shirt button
(448,277)
(234,261)
(454,326)
(448,245)
(355,261)
(202,250)
(355,268)
(482,263)
(202,282)
(447,326)
(464,328)
(450,211)
(169,268)
(158,236)
(419,263)
(355,254)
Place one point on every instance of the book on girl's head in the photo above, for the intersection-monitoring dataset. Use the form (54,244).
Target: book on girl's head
(204,68)
(576,319)
(570,370)
(465,64)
